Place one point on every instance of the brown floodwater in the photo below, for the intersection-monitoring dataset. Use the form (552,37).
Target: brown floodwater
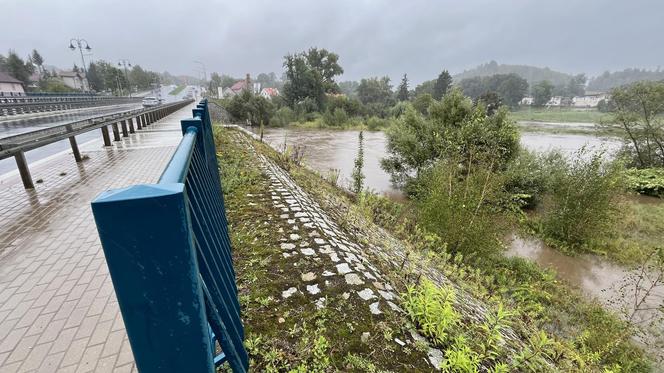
(327,149)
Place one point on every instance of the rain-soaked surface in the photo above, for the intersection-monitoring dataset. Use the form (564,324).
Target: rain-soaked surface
(14,125)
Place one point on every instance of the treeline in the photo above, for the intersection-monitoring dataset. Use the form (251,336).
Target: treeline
(609,80)
(532,74)
(102,76)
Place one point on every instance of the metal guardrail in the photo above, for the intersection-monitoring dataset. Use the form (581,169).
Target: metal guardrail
(169,255)
(36,104)
(17,145)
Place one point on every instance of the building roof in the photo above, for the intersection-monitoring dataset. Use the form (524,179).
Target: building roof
(6,78)
(271,91)
(71,74)
(239,85)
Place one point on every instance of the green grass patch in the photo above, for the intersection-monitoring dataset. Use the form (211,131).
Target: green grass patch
(176,90)
(564,115)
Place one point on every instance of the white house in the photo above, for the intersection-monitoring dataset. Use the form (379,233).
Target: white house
(528,100)
(268,93)
(10,86)
(555,101)
(588,101)
(74,80)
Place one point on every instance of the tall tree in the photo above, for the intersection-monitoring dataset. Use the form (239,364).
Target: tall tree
(95,79)
(638,108)
(310,75)
(376,94)
(38,60)
(214,84)
(510,88)
(18,68)
(456,129)
(542,92)
(402,93)
(442,84)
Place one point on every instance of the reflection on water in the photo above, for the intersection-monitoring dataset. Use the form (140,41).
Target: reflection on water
(591,274)
(334,149)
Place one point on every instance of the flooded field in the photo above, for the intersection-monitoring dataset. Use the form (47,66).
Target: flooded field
(334,149)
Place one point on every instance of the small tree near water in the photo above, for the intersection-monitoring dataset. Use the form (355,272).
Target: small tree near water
(358,175)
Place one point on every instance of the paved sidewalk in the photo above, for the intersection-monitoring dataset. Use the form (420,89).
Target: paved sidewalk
(58,311)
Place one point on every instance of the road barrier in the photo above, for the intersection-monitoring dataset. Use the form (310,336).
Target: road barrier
(15,105)
(17,145)
(169,256)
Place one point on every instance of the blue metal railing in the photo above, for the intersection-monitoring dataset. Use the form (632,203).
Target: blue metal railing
(169,255)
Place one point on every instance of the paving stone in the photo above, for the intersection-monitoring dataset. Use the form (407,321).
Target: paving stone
(353,279)
(313,289)
(366,294)
(435,357)
(308,252)
(373,308)
(287,246)
(309,276)
(287,293)
(343,268)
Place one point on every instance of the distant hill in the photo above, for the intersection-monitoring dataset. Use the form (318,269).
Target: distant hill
(532,74)
(610,80)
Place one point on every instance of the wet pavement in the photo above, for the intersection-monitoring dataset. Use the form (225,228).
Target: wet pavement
(58,310)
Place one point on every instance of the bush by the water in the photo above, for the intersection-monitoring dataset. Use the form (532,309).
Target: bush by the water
(648,181)
(459,205)
(583,205)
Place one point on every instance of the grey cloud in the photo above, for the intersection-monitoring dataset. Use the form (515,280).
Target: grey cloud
(372,37)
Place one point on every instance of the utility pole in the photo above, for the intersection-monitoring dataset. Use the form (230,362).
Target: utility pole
(126,63)
(80,45)
(204,70)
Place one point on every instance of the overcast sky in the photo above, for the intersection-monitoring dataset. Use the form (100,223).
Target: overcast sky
(372,38)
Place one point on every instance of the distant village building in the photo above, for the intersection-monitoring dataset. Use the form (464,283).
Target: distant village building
(268,93)
(555,101)
(241,85)
(526,101)
(10,86)
(75,80)
(589,100)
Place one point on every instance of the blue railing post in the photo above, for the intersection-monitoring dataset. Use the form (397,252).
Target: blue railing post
(147,241)
(169,254)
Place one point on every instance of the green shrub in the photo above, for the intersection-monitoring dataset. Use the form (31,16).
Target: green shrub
(374,123)
(530,175)
(432,309)
(648,181)
(458,205)
(283,117)
(336,118)
(583,206)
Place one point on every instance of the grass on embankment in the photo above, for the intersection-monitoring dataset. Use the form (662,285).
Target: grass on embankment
(580,334)
(176,90)
(563,115)
(641,230)
(293,335)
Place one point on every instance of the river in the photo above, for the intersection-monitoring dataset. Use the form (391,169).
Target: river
(327,149)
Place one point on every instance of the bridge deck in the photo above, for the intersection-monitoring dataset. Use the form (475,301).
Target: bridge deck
(58,311)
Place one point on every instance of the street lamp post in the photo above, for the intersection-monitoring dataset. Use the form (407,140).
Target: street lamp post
(126,63)
(81,44)
(204,70)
